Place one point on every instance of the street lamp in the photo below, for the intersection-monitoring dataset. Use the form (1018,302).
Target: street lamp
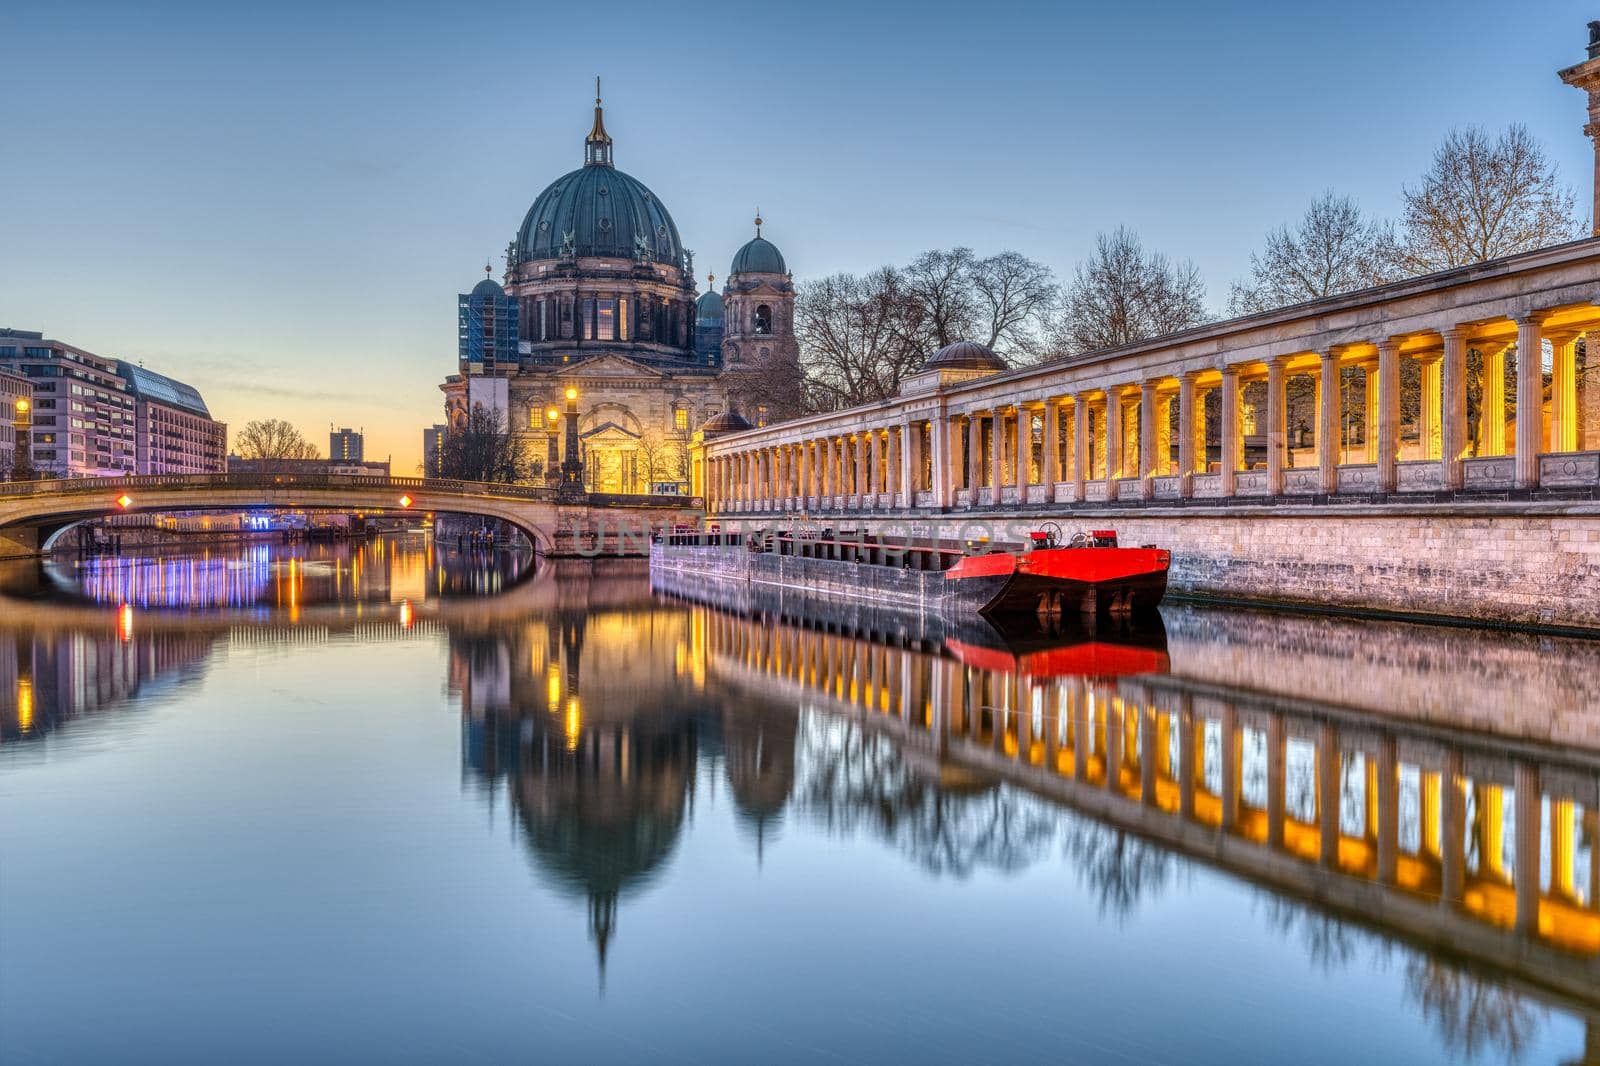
(552,460)
(572,465)
(22,456)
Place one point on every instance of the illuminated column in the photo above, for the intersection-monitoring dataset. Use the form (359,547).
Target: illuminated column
(1370,409)
(1452,409)
(1529,816)
(1232,439)
(873,482)
(1147,438)
(944,438)
(1115,417)
(1564,392)
(1530,398)
(1189,415)
(863,471)
(997,453)
(1277,425)
(910,461)
(1080,444)
(1050,467)
(1164,402)
(1430,437)
(1328,412)
(1388,412)
(1022,453)
(803,473)
(825,466)
(974,455)
(1492,413)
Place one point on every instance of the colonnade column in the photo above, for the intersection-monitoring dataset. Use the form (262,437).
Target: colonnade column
(974,456)
(944,438)
(1277,425)
(1370,409)
(1147,438)
(1388,412)
(1453,412)
(1530,398)
(997,442)
(1114,420)
(863,470)
(1050,462)
(1563,392)
(1022,455)
(910,460)
(1080,444)
(1328,423)
(1492,403)
(1232,440)
(873,482)
(1186,436)
(1430,435)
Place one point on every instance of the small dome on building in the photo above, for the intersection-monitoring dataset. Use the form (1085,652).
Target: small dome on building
(964,355)
(729,421)
(488,287)
(759,256)
(709,308)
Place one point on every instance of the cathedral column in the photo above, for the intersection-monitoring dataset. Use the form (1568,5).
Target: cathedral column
(1564,392)
(1080,444)
(1453,409)
(1050,467)
(1530,398)
(1232,439)
(1147,438)
(1492,402)
(1187,459)
(1328,410)
(1277,424)
(1388,412)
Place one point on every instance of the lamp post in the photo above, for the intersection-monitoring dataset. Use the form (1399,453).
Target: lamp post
(572,464)
(552,462)
(22,458)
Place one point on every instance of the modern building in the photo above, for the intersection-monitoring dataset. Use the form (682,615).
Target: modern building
(237,465)
(346,445)
(599,293)
(83,411)
(174,432)
(16,409)
(433,450)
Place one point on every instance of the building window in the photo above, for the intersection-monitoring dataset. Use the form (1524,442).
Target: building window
(680,418)
(761,414)
(588,320)
(606,319)
(622,320)
(763,319)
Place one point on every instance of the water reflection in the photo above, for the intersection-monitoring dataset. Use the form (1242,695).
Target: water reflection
(1409,820)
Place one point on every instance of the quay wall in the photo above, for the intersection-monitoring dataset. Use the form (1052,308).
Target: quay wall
(1516,565)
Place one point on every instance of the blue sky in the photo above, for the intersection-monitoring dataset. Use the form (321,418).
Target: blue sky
(278,203)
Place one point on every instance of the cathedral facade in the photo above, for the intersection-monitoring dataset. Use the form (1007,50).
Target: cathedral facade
(599,303)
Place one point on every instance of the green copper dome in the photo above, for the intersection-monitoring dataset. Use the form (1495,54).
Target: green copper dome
(759,256)
(597,210)
(709,308)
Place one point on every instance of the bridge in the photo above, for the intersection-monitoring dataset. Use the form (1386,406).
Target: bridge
(34,513)
(1443,403)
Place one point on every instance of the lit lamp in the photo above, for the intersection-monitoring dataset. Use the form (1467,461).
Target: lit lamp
(572,464)
(22,457)
(552,460)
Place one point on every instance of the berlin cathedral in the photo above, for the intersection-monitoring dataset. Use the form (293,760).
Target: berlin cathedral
(599,303)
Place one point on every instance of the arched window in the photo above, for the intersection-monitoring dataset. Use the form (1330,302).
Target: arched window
(763,319)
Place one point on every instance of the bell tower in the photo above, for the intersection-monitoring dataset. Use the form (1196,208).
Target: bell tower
(759,350)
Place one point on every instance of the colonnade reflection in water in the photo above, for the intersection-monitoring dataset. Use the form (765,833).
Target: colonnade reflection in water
(1427,794)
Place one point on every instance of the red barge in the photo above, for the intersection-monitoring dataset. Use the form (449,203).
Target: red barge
(1048,575)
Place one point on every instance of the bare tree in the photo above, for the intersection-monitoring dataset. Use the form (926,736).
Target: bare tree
(273,438)
(938,285)
(662,458)
(1124,293)
(1016,297)
(1332,249)
(483,449)
(1482,199)
(858,337)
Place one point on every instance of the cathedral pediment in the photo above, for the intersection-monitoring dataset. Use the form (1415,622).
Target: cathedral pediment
(608,431)
(609,365)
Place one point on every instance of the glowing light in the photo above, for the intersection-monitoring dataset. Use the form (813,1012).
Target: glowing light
(24,704)
(552,414)
(405,501)
(22,407)
(574,723)
(406,617)
(553,685)
(124,500)
(572,393)
(125,622)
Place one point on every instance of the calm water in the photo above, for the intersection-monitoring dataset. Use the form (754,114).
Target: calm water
(404,807)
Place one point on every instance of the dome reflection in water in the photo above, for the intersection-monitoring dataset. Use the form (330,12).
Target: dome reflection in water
(1378,829)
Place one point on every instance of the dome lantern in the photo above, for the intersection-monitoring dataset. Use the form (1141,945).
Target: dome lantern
(597,146)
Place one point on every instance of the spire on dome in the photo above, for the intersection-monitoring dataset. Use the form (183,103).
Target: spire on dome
(758,222)
(597,146)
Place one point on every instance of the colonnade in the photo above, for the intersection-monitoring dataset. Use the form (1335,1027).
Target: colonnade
(1080,434)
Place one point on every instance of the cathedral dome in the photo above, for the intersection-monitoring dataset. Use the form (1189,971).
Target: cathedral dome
(964,355)
(597,210)
(709,308)
(729,421)
(488,287)
(759,256)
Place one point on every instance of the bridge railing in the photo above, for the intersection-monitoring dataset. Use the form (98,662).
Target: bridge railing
(99,485)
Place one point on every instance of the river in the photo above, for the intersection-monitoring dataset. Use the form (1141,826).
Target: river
(394,804)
